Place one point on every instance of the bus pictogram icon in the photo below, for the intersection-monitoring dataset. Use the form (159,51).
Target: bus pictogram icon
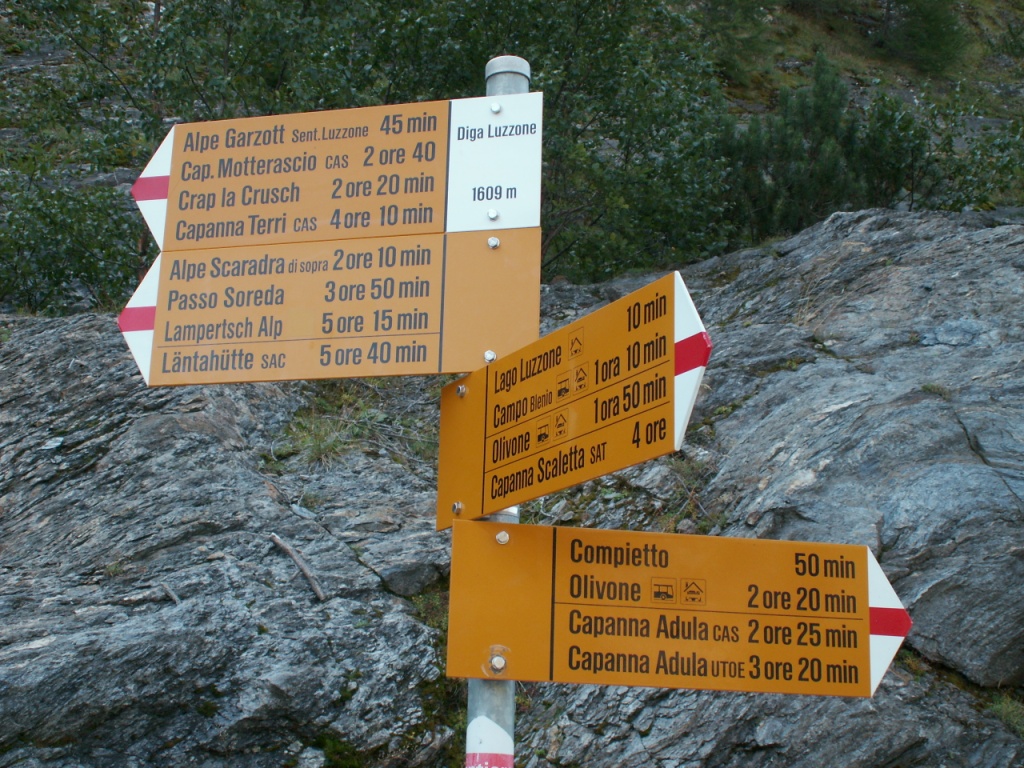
(663,590)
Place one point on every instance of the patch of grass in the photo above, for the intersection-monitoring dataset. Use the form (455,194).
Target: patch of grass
(319,438)
(559,508)
(393,416)
(694,473)
(725,410)
(352,678)
(937,389)
(310,500)
(1006,705)
(793,33)
(443,699)
(725,276)
(820,346)
(1010,42)
(432,608)
(338,753)
(273,460)
(789,364)
(207,708)
(1010,710)
(445,705)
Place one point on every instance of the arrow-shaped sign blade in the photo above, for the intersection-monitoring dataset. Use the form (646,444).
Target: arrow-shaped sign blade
(611,390)
(150,189)
(277,266)
(138,319)
(692,352)
(889,620)
(667,610)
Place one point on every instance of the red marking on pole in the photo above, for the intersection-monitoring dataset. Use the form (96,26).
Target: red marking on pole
(894,622)
(151,188)
(137,319)
(693,352)
(488,760)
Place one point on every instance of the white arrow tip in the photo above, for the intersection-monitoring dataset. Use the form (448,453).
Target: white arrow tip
(890,622)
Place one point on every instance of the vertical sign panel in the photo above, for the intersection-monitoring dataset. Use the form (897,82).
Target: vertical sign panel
(494,151)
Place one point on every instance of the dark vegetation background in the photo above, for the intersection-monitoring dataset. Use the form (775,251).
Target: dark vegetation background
(673,131)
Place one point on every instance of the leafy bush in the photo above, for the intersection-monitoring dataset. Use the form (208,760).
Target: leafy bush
(795,166)
(1011,41)
(816,154)
(926,33)
(61,246)
(981,164)
(642,169)
(895,154)
(735,32)
(630,178)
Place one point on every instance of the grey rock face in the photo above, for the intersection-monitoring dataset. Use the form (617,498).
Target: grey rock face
(865,387)
(902,427)
(146,617)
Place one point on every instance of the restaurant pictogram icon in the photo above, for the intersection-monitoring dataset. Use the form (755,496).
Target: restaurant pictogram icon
(694,591)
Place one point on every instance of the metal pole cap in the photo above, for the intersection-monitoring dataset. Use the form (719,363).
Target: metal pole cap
(512,65)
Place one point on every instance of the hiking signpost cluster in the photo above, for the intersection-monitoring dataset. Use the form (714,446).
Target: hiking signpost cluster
(405,240)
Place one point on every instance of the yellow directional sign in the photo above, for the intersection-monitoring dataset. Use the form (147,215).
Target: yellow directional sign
(305,177)
(378,241)
(398,305)
(611,390)
(669,611)
(405,169)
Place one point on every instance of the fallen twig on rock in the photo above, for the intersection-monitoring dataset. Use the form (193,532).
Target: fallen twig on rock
(170,592)
(302,565)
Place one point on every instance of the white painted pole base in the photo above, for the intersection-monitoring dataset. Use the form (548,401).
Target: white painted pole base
(488,744)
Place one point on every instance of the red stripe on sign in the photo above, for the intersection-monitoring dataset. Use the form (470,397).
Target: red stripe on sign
(488,760)
(894,622)
(137,319)
(151,188)
(693,352)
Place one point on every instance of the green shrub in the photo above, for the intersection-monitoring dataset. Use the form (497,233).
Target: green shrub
(338,753)
(61,246)
(1011,41)
(817,154)
(794,167)
(1010,710)
(926,33)
(630,176)
(642,170)
(895,154)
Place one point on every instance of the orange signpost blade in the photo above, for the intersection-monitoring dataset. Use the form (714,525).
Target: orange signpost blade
(395,240)
(608,391)
(382,307)
(668,610)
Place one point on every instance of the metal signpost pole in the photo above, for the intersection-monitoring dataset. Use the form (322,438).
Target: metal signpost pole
(490,731)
